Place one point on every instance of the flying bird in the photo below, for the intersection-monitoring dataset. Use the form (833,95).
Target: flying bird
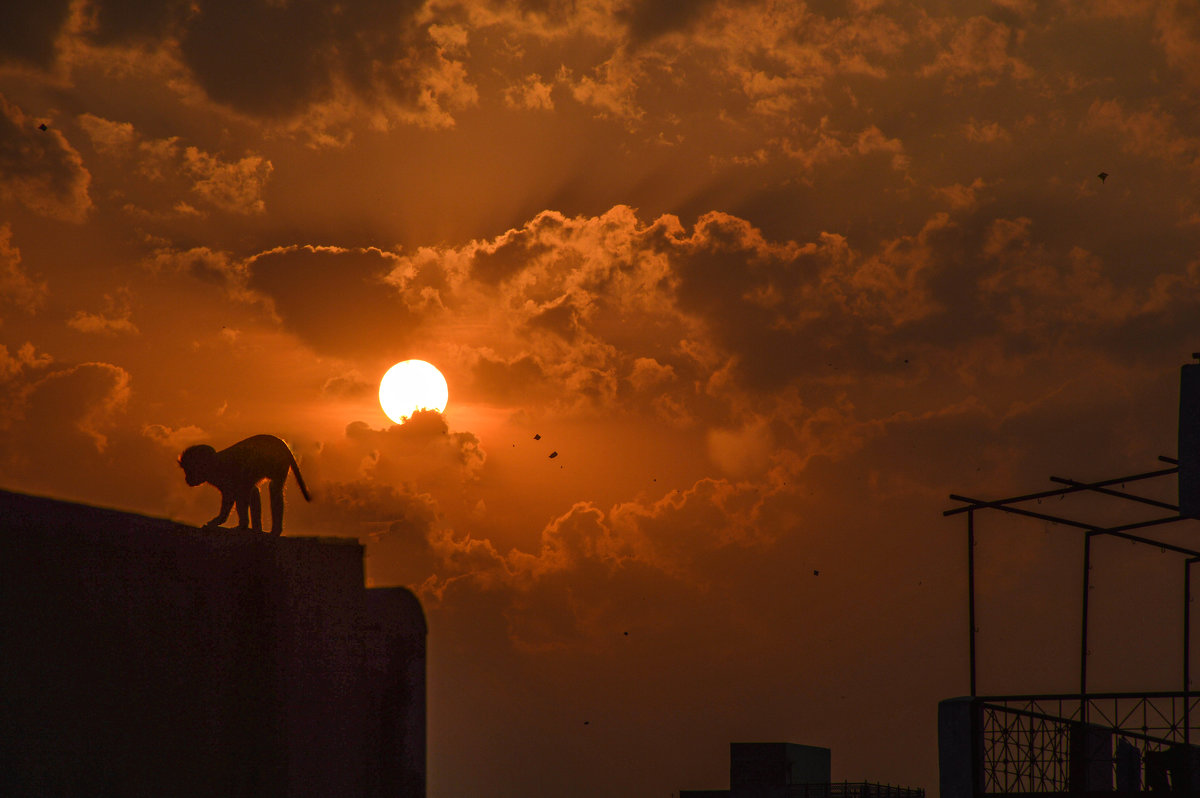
(42,127)
(553,455)
(537,437)
(1103,176)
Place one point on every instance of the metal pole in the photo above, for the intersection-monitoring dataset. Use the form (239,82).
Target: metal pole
(1083,637)
(971,591)
(1187,646)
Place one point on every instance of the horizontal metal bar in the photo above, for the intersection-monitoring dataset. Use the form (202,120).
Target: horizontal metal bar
(977,504)
(1115,531)
(1089,696)
(1022,511)
(1168,459)
(1119,494)
(1118,532)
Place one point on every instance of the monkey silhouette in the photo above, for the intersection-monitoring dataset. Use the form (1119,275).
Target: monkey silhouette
(237,472)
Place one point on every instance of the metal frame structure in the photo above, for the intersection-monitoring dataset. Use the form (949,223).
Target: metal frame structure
(1022,745)
(1124,531)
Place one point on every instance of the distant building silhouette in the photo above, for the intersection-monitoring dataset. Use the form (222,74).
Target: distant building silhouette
(790,770)
(140,657)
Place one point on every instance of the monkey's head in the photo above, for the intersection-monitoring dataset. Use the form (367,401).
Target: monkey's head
(197,462)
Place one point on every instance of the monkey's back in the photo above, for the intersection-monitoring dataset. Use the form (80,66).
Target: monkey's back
(259,457)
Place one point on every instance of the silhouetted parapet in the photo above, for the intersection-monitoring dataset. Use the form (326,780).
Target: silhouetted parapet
(141,657)
(960,748)
(396,670)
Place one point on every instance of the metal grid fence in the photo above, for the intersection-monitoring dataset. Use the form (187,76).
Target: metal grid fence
(1061,743)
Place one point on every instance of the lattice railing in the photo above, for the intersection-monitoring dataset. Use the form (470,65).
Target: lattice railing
(1060,743)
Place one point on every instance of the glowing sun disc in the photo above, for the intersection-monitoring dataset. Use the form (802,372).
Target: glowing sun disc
(411,386)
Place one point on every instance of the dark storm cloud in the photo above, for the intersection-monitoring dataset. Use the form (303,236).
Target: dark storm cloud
(265,59)
(28,31)
(132,21)
(648,19)
(273,59)
(40,169)
(334,299)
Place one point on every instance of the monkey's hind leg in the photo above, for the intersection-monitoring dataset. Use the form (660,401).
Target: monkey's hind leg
(249,509)
(275,487)
(255,509)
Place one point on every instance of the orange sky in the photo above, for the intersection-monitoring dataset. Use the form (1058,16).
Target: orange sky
(773,278)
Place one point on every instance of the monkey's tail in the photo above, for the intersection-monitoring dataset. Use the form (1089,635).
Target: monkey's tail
(300,479)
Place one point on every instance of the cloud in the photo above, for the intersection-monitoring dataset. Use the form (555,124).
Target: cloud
(648,20)
(174,440)
(98,323)
(109,137)
(979,49)
(530,94)
(29,31)
(40,169)
(1178,25)
(233,186)
(66,408)
(114,22)
(17,288)
(1150,133)
(649,373)
(336,299)
(25,359)
(322,64)
(985,132)
(961,196)
(822,146)
(610,89)
(351,383)
(16,378)
(422,450)
(584,576)
(113,320)
(742,452)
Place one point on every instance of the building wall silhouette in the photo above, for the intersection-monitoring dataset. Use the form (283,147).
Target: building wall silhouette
(140,657)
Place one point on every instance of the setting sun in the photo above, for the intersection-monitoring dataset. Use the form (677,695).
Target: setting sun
(411,386)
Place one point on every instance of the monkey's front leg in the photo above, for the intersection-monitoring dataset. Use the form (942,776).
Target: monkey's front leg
(226,506)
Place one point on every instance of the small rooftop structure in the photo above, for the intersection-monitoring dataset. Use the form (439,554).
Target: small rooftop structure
(790,770)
